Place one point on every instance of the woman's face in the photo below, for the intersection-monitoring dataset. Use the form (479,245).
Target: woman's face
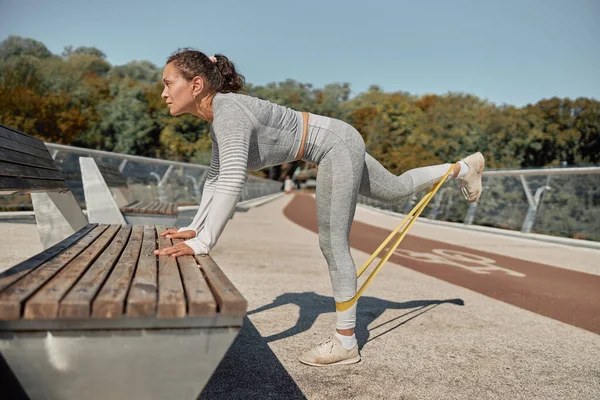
(177,92)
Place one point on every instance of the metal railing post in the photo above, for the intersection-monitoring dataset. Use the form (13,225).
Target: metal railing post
(532,210)
(197,193)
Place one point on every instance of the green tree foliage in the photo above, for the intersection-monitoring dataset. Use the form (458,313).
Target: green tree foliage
(79,98)
(90,51)
(389,126)
(15,46)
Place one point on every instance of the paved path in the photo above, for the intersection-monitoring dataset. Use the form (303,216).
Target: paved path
(421,336)
(565,295)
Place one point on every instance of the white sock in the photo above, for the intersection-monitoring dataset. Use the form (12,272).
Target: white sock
(464,168)
(348,342)
(446,167)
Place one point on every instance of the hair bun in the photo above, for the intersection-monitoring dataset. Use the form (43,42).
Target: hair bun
(218,70)
(232,81)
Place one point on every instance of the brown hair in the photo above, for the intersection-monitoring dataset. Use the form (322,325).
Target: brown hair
(221,75)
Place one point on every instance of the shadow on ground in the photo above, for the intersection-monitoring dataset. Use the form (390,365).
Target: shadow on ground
(10,388)
(250,370)
(369,309)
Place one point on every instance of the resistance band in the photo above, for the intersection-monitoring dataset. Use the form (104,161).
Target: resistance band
(415,212)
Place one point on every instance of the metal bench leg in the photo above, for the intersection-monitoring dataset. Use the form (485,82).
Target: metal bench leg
(100,203)
(136,364)
(57,215)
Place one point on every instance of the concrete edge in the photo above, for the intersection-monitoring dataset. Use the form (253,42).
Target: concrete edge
(243,204)
(21,214)
(497,231)
(259,201)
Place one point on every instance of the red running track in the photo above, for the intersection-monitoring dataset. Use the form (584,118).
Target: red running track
(569,296)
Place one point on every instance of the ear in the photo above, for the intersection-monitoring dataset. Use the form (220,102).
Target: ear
(198,85)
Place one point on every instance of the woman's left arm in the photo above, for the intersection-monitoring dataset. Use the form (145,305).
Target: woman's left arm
(233,137)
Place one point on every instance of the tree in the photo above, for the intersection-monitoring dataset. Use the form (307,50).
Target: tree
(90,51)
(19,46)
(143,71)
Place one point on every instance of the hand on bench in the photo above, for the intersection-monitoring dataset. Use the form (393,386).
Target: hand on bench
(179,249)
(172,233)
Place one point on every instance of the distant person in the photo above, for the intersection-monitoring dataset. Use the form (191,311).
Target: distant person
(249,133)
(288,185)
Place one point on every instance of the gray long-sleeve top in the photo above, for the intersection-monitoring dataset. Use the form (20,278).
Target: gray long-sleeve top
(246,133)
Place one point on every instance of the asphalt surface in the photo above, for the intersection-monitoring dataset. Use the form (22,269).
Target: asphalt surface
(423,332)
(565,295)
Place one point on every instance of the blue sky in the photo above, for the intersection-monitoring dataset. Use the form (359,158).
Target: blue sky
(505,51)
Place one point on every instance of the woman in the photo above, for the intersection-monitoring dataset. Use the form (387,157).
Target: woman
(249,133)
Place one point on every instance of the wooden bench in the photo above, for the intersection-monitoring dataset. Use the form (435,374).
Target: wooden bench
(27,167)
(98,315)
(117,183)
(150,207)
(109,199)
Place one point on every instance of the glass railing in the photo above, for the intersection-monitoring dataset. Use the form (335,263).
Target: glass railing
(553,201)
(148,179)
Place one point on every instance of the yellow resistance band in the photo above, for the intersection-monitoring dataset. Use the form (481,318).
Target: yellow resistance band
(415,212)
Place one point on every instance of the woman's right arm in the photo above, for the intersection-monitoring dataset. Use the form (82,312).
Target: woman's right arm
(207,192)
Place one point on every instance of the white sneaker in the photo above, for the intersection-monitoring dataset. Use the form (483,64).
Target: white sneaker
(330,352)
(470,184)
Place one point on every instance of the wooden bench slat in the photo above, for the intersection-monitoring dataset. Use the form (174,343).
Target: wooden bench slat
(24,149)
(12,296)
(78,302)
(12,184)
(17,170)
(147,207)
(229,299)
(13,274)
(129,207)
(110,302)
(201,302)
(45,303)
(156,208)
(12,134)
(139,206)
(150,207)
(171,298)
(141,300)
(24,158)
(163,208)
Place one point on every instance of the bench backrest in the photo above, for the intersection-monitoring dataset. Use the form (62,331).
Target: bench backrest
(117,184)
(26,165)
(112,176)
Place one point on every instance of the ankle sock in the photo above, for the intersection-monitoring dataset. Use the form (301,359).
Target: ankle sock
(348,342)
(464,168)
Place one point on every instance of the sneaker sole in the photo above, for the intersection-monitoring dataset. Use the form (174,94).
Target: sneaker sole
(480,175)
(348,361)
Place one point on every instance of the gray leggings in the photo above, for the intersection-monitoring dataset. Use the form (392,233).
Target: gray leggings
(345,170)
